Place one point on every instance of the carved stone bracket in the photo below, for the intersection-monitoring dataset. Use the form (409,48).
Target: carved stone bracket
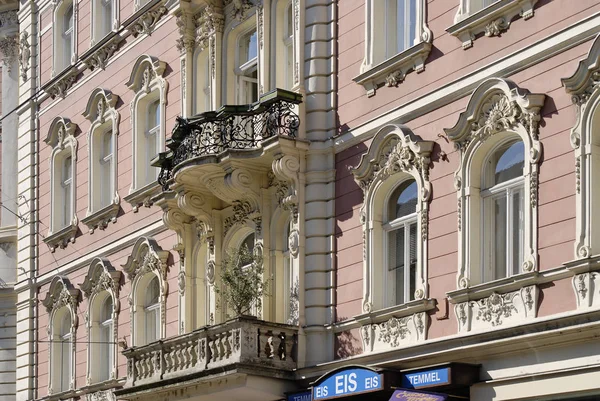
(60,87)
(100,57)
(498,310)
(146,22)
(285,179)
(587,290)
(238,8)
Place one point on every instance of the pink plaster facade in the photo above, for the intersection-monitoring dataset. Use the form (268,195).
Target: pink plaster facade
(447,63)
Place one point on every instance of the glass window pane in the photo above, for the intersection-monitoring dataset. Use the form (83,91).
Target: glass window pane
(248,47)
(413,262)
(68,19)
(151,325)
(153,292)
(106,16)
(401,25)
(403,201)
(396,267)
(517,232)
(500,237)
(510,162)
(107,310)
(290,22)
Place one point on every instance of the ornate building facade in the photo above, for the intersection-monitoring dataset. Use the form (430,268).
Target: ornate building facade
(416,176)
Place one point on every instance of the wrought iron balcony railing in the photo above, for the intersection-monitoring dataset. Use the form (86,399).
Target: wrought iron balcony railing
(245,340)
(230,127)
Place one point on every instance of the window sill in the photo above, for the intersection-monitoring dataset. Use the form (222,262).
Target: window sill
(102,217)
(63,395)
(492,20)
(103,388)
(142,196)
(501,286)
(62,237)
(393,70)
(409,308)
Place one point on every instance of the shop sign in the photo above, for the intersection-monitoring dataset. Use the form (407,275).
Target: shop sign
(348,382)
(406,395)
(303,396)
(426,378)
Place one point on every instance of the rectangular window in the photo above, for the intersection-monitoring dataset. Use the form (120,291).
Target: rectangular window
(65,363)
(152,137)
(105,347)
(67,36)
(152,323)
(402,264)
(106,17)
(248,68)
(401,26)
(106,177)
(66,184)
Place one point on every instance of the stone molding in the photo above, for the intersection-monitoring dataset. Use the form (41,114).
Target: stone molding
(394,152)
(584,88)
(496,107)
(492,20)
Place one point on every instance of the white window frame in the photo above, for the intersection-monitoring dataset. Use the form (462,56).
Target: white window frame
(152,334)
(60,53)
(586,97)
(489,17)
(395,155)
(402,223)
(378,67)
(506,190)
(203,82)
(99,18)
(485,125)
(147,260)
(389,145)
(104,118)
(101,282)
(61,300)
(64,144)
(147,82)
(243,69)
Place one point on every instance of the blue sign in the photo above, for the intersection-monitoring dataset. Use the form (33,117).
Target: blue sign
(405,395)
(348,382)
(426,378)
(303,396)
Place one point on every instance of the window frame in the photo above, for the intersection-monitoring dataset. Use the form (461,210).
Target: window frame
(60,54)
(377,68)
(61,137)
(104,118)
(491,20)
(98,19)
(149,86)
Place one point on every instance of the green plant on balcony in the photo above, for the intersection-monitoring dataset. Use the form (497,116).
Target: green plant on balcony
(243,283)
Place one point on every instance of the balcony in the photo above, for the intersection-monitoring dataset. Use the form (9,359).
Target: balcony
(245,350)
(239,130)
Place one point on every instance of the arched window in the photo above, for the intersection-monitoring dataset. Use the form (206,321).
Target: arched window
(503,202)
(148,125)
(103,199)
(65,35)
(151,311)
(105,339)
(401,231)
(64,355)
(394,176)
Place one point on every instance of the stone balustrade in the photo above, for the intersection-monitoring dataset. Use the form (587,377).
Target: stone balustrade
(245,340)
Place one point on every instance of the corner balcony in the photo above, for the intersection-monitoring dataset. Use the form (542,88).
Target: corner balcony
(244,358)
(251,133)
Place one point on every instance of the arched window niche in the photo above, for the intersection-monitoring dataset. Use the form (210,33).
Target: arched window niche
(394,176)
(101,287)
(61,303)
(496,135)
(584,88)
(148,113)
(63,184)
(146,268)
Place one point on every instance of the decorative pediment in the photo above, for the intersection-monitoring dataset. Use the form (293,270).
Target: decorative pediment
(101,276)
(582,83)
(61,293)
(145,70)
(61,131)
(100,102)
(145,257)
(394,149)
(498,105)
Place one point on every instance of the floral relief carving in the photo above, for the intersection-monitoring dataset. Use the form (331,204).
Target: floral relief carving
(146,23)
(61,294)
(586,291)
(146,257)
(181,282)
(494,308)
(24,54)
(60,87)
(9,46)
(101,277)
(395,78)
(241,212)
(495,27)
(393,333)
(239,8)
(100,57)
